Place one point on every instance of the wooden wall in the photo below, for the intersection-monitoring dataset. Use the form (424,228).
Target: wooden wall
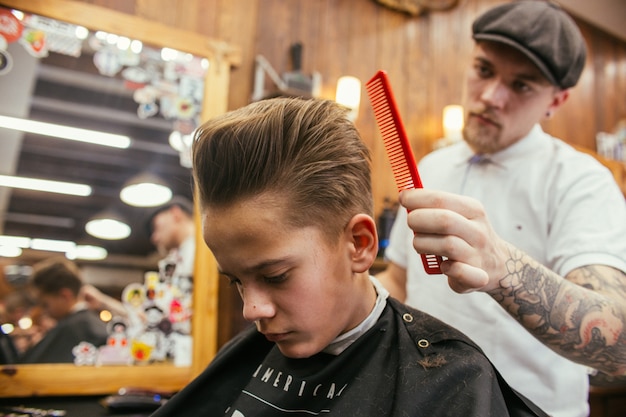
(426,57)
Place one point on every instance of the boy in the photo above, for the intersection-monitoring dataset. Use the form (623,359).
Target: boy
(286,206)
(57,283)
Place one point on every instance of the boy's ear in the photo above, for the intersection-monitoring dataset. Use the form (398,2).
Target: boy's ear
(364,238)
(67,294)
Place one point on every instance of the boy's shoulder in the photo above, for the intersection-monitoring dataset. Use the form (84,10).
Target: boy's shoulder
(441,346)
(427,328)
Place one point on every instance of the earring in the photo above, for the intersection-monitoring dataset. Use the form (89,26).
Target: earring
(548,114)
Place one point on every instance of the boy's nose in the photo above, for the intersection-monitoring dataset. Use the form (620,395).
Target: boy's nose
(256,305)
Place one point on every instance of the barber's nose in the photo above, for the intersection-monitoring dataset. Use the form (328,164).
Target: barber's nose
(257,304)
(495,93)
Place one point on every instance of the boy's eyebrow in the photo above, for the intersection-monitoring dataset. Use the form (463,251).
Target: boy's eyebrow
(258,267)
(264,265)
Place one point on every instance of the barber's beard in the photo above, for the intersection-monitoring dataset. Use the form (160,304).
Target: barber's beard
(483,138)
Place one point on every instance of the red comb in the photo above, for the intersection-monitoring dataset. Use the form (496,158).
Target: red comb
(397,146)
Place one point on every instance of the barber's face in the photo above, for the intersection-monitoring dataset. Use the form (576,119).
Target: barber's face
(164,232)
(506,96)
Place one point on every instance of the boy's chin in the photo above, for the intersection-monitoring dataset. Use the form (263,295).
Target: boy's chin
(297,350)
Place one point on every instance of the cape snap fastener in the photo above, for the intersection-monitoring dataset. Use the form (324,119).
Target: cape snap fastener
(423,343)
(407,317)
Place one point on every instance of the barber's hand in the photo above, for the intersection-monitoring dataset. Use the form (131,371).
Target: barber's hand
(456,227)
(92,296)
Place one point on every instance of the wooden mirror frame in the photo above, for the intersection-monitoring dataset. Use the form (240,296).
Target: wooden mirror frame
(68,379)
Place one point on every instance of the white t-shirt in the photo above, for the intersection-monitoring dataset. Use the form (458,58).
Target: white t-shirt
(562,208)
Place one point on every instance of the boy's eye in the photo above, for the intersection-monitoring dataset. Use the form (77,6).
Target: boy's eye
(277,279)
(231,280)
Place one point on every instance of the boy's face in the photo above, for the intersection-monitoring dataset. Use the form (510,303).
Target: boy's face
(297,288)
(57,305)
(506,96)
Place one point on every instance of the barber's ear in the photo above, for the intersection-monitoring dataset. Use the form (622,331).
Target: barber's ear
(559,98)
(364,241)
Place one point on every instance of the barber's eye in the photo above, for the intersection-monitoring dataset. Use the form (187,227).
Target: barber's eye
(483,71)
(521,87)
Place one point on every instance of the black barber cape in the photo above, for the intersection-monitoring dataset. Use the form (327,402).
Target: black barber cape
(57,344)
(408,364)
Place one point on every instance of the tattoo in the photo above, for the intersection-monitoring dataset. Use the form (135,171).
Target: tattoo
(600,379)
(582,317)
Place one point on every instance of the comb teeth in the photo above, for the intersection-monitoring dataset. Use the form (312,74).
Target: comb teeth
(386,115)
(397,146)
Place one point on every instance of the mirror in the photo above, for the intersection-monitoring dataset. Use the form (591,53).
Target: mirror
(61,379)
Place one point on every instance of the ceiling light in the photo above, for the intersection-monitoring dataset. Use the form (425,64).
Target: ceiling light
(10,251)
(65,132)
(11,247)
(107,226)
(19,241)
(87,252)
(145,190)
(49,186)
(52,245)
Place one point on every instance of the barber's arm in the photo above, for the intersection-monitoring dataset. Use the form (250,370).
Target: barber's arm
(97,300)
(581,316)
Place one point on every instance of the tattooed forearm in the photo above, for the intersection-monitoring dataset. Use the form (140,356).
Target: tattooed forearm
(582,317)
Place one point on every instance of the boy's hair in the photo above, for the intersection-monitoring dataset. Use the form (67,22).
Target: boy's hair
(52,275)
(305,150)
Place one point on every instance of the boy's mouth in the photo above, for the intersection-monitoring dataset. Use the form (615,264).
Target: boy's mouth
(276,337)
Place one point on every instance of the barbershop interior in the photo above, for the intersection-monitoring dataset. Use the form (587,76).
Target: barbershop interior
(100,102)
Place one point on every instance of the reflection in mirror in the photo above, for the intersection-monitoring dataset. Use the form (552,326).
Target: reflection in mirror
(128,259)
(63,75)
(146,152)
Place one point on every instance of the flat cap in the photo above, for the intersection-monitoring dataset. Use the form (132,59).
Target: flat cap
(543,32)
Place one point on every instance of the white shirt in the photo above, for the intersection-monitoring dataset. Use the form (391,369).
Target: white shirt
(187,253)
(562,208)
